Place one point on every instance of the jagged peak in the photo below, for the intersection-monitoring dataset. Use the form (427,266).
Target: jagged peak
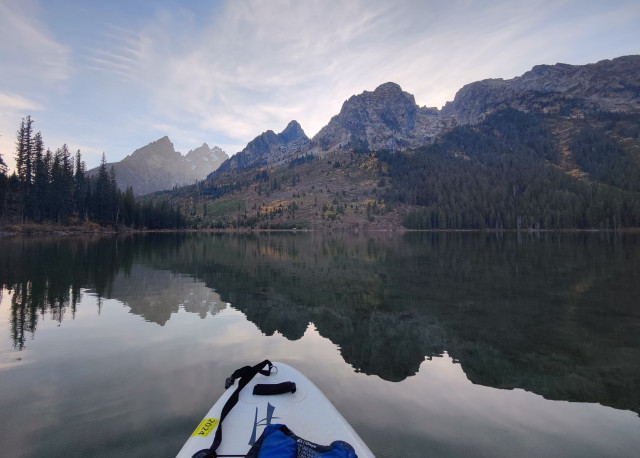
(162,145)
(162,140)
(292,125)
(293,131)
(199,149)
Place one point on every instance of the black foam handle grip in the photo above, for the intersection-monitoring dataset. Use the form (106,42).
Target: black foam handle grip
(265,389)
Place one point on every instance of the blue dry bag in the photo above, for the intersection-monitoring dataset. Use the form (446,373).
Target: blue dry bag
(278,441)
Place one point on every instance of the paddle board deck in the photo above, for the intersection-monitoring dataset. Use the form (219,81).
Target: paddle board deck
(307,412)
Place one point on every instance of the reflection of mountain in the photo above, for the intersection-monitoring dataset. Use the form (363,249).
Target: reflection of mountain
(156,294)
(555,314)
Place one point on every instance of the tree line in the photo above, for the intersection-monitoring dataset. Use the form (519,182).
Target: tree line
(55,187)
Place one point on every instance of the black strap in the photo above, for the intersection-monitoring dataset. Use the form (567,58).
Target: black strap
(245,374)
(265,389)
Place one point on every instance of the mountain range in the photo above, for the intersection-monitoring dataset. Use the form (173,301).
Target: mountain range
(557,147)
(158,166)
(389,118)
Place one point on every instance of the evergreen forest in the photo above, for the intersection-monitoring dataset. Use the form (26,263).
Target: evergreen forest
(507,173)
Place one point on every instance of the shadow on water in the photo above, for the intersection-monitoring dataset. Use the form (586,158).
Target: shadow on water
(555,314)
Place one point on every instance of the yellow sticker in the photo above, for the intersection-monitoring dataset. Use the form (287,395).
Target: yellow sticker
(205,427)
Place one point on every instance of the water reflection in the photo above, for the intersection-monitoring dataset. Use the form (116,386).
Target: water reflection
(555,314)
(157,294)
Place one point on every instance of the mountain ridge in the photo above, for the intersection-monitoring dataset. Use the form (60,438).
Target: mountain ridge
(610,85)
(389,118)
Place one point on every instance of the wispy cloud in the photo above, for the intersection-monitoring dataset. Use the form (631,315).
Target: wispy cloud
(14,102)
(27,48)
(255,67)
(258,65)
(32,65)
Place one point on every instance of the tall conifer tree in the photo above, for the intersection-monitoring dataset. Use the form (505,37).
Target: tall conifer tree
(24,150)
(40,180)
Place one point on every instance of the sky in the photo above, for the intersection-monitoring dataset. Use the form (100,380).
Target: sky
(113,76)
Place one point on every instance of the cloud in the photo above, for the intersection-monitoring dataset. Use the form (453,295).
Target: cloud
(27,48)
(14,102)
(223,72)
(33,65)
(256,65)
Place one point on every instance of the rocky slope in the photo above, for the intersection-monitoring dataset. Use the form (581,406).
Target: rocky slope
(269,148)
(158,166)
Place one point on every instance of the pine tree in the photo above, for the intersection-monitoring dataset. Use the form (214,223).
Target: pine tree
(24,150)
(48,197)
(55,193)
(114,197)
(100,193)
(4,186)
(41,180)
(128,207)
(80,187)
(62,180)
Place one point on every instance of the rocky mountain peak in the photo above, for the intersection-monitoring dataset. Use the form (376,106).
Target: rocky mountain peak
(200,152)
(387,95)
(217,152)
(269,148)
(204,158)
(293,132)
(392,90)
(387,118)
(161,148)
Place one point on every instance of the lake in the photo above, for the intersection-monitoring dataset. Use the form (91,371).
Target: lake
(430,344)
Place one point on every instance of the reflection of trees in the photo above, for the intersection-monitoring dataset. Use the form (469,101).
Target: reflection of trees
(32,300)
(555,314)
(45,276)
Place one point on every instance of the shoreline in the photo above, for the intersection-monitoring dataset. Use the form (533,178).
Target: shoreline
(95,229)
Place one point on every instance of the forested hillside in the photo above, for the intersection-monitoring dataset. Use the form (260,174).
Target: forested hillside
(505,173)
(513,170)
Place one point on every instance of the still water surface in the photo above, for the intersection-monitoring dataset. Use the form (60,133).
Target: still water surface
(438,345)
